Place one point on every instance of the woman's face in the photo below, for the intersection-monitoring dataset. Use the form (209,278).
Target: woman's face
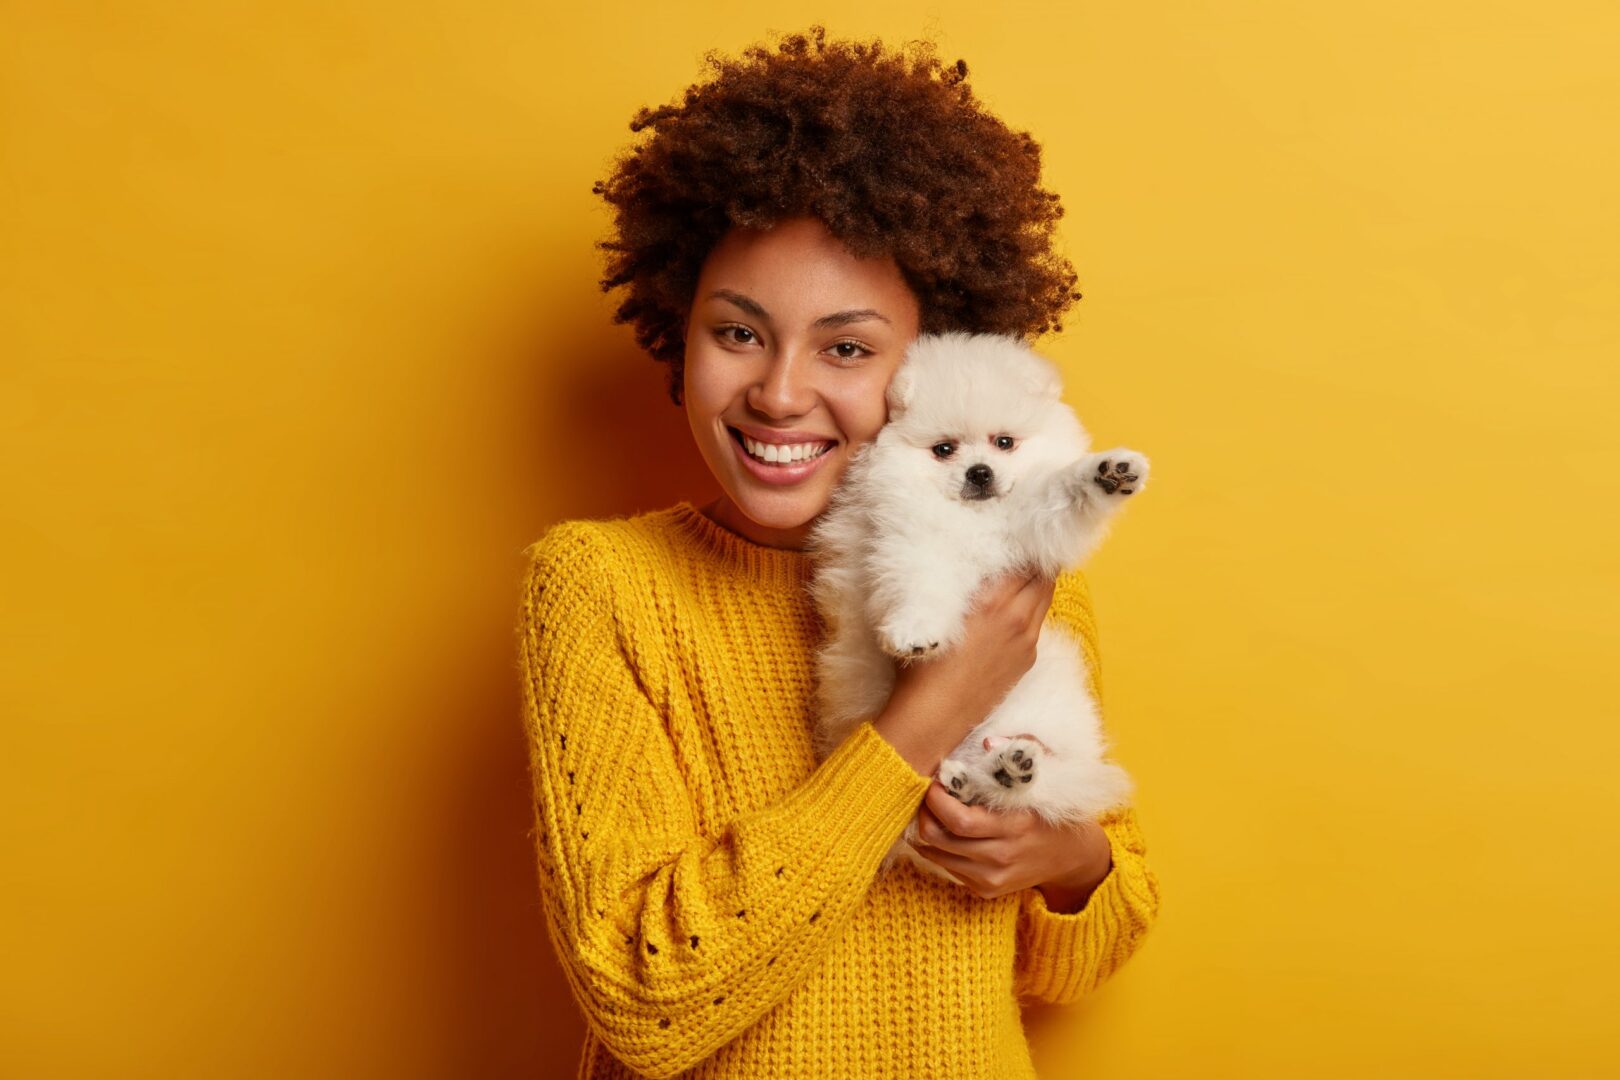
(790,346)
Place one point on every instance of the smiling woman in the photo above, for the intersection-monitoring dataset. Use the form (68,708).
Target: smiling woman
(712,887)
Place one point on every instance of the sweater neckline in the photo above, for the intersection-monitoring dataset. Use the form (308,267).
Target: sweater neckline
(774,566)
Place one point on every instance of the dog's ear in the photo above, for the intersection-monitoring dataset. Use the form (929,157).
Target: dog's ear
(900,390)
(1043,379)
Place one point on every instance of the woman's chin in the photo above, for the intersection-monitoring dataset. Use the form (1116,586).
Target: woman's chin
(780,509)
(775,517)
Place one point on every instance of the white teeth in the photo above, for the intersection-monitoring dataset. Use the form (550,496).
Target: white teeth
(776,453)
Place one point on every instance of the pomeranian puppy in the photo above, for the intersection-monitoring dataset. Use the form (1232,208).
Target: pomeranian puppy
(980,470)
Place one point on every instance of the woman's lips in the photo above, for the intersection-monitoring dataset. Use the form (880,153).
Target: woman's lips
(774,472)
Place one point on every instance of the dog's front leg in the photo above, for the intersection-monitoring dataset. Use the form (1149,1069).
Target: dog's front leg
(1066,521)
(919,597)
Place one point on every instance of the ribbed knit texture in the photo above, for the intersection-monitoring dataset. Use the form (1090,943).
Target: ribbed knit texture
(710,890)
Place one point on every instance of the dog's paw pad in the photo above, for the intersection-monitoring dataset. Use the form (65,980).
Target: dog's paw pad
(958,784)
(1016,763)
(909,639)
(1121,472)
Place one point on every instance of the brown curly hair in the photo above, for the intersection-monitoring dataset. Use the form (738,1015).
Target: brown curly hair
(889,149)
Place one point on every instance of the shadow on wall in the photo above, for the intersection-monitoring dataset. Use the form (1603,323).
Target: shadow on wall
(600,438)
(607,440)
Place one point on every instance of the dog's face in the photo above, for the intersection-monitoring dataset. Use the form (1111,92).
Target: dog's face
(977,417)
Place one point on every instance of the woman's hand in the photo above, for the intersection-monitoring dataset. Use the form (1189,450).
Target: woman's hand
(995,852)
(937,701)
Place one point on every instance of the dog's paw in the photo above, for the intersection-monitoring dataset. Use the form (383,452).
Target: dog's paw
(1120,472)
(958,781)
(906,639)
(953,776)
(1013,762)
(910,650)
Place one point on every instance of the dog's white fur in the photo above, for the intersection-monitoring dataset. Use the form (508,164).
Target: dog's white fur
(907,539)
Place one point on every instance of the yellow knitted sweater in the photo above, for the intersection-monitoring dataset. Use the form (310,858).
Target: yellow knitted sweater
(711,891)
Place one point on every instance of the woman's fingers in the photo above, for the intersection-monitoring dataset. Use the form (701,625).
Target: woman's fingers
(965,828)
(1035,582)
(964,870)
(1020,597)
(977,846)
(1038,590)
(958,867)
(983,871)
(1001,590)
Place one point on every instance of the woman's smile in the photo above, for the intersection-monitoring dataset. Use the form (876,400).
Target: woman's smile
(785,457)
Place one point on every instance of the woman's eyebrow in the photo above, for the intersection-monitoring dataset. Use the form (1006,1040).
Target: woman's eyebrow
(844,318)
(744,302)
(826,322)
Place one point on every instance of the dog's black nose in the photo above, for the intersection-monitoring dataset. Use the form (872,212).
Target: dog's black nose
(980,476)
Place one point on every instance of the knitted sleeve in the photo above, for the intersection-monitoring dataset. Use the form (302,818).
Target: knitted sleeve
(1063,956)
(675,942)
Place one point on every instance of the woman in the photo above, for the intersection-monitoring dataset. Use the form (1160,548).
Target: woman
(712,890)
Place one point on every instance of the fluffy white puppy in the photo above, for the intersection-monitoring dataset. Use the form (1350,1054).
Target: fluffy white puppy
(980,470)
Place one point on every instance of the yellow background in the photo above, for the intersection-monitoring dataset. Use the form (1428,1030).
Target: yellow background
(302,344)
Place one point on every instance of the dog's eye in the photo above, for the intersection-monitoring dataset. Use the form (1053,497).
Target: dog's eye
(1004,442)
(944,449)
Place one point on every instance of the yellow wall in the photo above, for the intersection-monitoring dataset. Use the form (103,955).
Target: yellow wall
(300,345)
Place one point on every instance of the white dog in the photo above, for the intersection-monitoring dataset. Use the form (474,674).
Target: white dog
(981,469)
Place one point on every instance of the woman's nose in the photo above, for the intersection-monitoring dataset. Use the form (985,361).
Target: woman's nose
(783,389)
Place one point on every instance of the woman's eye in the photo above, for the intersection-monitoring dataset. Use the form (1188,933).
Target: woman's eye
(1004,442)
(944,449)
(737,335)
(850,350)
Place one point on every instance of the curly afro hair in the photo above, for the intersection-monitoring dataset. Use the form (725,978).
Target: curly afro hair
(889,149)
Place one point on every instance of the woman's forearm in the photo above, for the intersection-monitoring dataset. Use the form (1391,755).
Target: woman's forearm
(914,733)
(1070,893)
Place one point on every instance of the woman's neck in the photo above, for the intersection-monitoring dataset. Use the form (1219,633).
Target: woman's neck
(724,512)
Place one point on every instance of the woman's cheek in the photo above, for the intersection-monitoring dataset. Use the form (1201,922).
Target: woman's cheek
(703,389)
(865,413)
